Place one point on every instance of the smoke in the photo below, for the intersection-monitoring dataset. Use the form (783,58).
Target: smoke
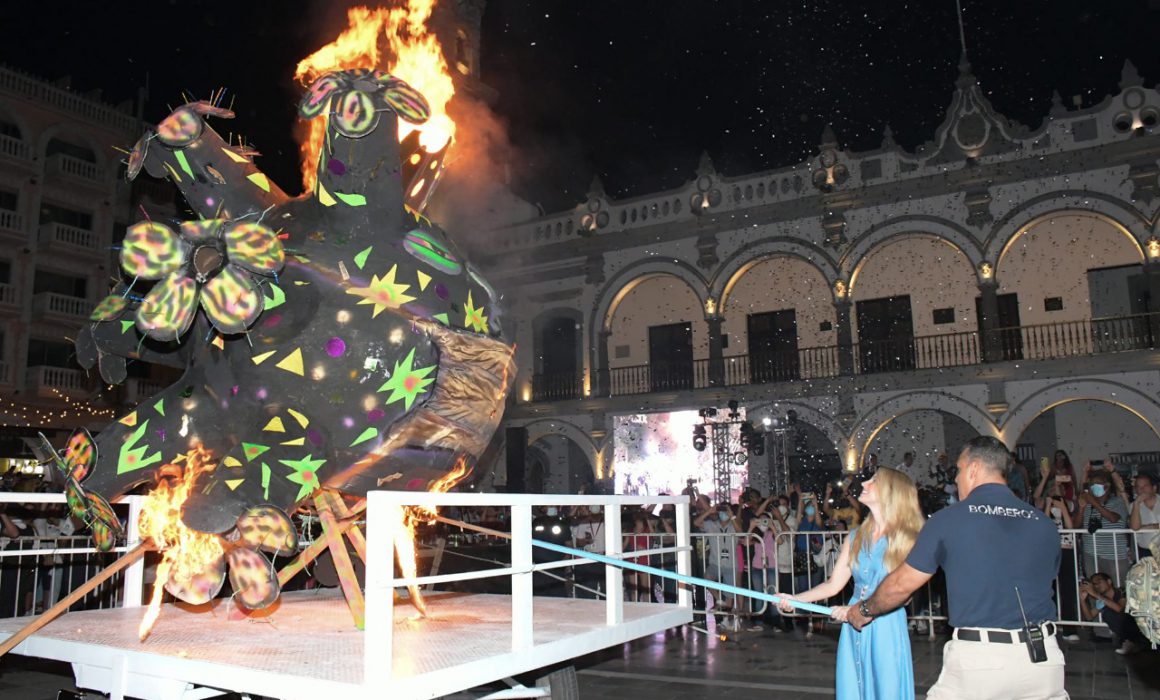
(473,198)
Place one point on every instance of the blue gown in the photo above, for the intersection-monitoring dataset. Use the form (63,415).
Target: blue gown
(874,664)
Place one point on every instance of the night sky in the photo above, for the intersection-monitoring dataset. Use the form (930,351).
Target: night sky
(631,90)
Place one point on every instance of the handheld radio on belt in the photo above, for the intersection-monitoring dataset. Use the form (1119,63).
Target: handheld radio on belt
(1034,635)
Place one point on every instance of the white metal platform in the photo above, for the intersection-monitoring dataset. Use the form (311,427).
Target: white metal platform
(309,648)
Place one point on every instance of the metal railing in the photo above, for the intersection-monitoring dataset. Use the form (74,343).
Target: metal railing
(69,381)
(7,294)
(37,570)
(1035,342)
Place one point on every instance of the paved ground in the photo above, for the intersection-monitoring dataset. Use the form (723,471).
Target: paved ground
(688,665)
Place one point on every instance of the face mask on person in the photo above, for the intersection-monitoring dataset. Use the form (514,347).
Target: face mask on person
(1056,513)
(811,511)
(722,516)
(1100,605)
(783,510)
(551,512)
(763,524)
(1098,490)
(595,510)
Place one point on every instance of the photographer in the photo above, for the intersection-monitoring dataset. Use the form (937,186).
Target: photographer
(1102,510)
(1101,599)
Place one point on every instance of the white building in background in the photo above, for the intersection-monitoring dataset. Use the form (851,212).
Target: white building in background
(64,203)
(1001,280)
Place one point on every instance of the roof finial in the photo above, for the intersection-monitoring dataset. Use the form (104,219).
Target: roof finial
(962,34)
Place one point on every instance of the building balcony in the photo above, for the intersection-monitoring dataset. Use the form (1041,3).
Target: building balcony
(15,149)
(5,374)
(70,239)
(137,390)
(60,307)
(1069,339)
(12,226)
(51,382)
(75,169)
(8,295)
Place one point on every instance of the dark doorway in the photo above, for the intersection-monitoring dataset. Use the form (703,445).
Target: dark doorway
(1007,329)
(773,346)
(560,370)
(885,335)
(670,356)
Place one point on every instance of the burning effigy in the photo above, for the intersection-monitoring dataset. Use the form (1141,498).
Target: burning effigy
(332,343)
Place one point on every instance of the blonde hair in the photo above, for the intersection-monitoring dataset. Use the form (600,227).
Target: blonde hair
(899,507)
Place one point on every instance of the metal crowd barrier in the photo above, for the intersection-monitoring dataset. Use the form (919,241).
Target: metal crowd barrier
(36,570)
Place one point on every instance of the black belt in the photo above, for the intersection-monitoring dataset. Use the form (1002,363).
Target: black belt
(968,634)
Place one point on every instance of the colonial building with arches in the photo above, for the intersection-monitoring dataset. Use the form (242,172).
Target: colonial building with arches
(1001,280)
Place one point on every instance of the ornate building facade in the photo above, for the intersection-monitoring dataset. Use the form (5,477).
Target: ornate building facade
(1000,280)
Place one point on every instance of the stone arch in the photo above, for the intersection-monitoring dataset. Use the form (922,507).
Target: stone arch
(1123,216)
(752,254)
(880,235)
(1126,397)
(27,134)
(875,419)
(627,279)
(544,427)
(808,414)
(64,130)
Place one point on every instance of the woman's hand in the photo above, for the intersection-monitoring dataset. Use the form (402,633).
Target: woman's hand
(784,604)
(840,613)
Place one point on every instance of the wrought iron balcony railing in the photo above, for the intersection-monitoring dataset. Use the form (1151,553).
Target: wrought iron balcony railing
(1036,342)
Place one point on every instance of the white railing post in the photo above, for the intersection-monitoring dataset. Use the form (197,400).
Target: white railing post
(685,556)
(521,522)
(613,577)
(134,581)
(378,655)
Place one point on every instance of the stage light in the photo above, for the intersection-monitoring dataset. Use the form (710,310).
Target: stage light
(767,421)
(700,441)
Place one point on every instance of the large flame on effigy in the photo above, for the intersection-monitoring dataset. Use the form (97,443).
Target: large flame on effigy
(406,520)
(412,54)
(191,561)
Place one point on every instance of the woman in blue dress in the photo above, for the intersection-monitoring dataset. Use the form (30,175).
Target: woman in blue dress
(874,664)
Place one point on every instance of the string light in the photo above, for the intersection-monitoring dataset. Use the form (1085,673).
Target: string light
(34,416)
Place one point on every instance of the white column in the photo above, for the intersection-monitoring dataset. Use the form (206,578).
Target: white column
(378,656)
(684,558)
(521,520)
(613,576)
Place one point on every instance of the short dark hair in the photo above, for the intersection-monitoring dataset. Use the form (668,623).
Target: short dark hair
(1101,575)
(1150,477)
(989,451)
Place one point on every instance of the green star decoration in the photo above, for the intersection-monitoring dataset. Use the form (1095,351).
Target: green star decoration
(305,474)
(383,292)
(407,383)
(472,317)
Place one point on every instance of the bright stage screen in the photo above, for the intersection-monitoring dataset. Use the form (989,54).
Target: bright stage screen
(654,454)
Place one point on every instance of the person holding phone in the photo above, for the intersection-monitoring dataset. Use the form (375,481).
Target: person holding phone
(1104,510)
(1061,513)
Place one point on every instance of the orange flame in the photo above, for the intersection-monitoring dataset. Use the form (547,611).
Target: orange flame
(407,519)
(185,552)
(415,55)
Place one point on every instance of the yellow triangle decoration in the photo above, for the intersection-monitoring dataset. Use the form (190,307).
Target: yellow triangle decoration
(235,157)
(424,280)
(275,425)
(302,420)
(292,362)
(234,483)
(231,462)
(259,359)
(324,197)
(296,442)
(218,343)
(260,180)
(129,420)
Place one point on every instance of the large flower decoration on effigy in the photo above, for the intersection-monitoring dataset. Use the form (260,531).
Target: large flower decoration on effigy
(214,263)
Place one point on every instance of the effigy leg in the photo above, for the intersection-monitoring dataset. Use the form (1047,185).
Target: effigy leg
(346,575)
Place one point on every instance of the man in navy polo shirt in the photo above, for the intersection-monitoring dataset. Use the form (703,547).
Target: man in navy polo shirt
(988,544)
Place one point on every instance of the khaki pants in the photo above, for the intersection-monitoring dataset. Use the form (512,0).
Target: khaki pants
(986,671)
